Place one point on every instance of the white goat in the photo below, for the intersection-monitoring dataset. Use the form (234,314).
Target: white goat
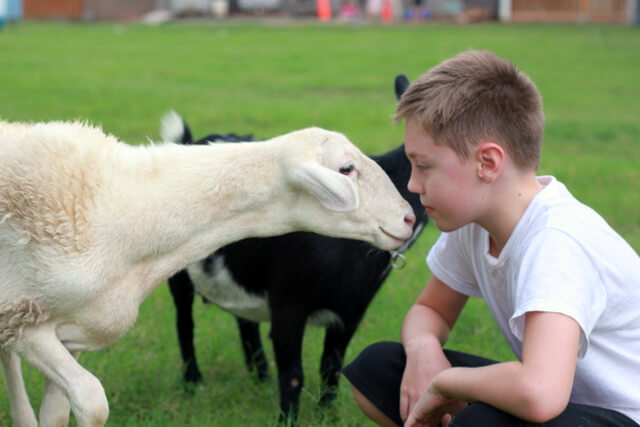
(89,226)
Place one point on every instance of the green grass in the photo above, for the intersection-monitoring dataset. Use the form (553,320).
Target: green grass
(269,79)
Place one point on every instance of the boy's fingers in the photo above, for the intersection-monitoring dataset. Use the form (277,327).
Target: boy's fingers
(446,419)
(409,422)
(404,406)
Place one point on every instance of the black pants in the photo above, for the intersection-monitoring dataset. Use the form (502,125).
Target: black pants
(377,373)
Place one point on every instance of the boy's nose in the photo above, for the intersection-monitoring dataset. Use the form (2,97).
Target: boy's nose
(411,185)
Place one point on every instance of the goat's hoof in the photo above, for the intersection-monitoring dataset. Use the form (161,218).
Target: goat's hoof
(193,376)
(287,420)
(329,395)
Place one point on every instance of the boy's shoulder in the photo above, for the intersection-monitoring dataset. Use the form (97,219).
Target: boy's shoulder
(555,210)
(556,207)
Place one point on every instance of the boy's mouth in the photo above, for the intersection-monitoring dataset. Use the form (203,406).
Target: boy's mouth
(429,210)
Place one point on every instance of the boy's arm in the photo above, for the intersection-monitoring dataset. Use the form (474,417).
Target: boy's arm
(536,389)
(425,329)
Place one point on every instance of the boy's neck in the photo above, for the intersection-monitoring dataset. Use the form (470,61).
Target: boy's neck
(510,199)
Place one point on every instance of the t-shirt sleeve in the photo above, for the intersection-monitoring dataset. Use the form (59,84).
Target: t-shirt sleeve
(557,275)
(448,261)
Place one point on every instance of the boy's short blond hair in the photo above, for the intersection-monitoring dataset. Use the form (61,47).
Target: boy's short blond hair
(477,95)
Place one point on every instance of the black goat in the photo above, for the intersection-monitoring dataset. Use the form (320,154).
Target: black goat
(290,280)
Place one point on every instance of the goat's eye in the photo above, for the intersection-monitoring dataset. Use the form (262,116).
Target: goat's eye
(347,169)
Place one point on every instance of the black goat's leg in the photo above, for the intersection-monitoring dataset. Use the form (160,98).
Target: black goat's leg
(335,344)
(182,291)
(287,330)
(254,356)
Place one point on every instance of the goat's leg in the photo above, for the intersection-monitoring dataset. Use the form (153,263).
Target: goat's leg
(336,340)
(287,330)
(40,346)
(55,407)
(182,291)
(21,410)
(254,356)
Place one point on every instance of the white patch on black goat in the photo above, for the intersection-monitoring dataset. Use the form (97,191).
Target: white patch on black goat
(213,280)
(324,318)
(216,284)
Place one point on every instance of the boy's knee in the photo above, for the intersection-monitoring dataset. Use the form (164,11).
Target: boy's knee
(375,376)
(360,398)
(370,410)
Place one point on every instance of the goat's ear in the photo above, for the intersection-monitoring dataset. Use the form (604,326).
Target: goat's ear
(332,189)
(401,84)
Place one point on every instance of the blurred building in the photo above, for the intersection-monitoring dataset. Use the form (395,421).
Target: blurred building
(614,11)
(87,9)
(90,10)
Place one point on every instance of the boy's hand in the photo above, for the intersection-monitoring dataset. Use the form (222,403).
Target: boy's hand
(425,328)
(433,410)
(424,361)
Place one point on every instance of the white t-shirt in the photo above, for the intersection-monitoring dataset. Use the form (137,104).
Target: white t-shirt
(561,257)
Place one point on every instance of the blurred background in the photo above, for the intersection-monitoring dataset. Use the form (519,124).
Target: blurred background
(612,11)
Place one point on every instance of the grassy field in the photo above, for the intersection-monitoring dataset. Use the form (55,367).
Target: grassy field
(269,79)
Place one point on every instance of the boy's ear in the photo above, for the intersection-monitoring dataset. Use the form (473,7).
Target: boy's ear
(489,158)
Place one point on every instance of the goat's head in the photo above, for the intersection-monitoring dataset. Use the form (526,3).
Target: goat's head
(356,198)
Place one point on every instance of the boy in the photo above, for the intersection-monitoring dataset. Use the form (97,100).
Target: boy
(562,285)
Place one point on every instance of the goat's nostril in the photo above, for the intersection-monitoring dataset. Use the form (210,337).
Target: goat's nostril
(410,220)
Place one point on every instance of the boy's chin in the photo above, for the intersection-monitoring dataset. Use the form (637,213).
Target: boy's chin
(444,226)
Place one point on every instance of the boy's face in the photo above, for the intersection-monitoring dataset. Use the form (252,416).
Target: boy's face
(448,186)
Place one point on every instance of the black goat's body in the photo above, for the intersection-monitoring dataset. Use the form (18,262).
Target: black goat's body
(301,278)
(291,280)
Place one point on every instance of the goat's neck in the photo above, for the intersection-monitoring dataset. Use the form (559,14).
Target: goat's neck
(185,202)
